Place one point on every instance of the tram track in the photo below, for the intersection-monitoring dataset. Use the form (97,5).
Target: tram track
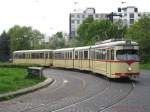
(78,101)
(90,91)
(84,99)
(87,99)
(121,99)
(130,84)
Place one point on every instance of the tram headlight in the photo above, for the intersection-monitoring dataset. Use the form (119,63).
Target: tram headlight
(129,69)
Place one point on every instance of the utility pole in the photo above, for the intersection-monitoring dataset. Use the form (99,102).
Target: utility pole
(111,16)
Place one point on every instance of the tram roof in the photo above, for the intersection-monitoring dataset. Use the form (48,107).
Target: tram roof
(84,47)
(27,51)
(115,43)
(64,49)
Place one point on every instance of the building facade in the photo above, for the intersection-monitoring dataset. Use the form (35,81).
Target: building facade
(129,15)
(75,19)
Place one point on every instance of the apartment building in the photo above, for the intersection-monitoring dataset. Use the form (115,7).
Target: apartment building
(75,19)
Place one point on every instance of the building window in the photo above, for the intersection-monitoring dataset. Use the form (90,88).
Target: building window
(97,16)
(125,21)
(90,16)
(131,21)
(139,15)
(135,9)
(72,16)
(119,9)
(72,21)
(72,32)
(103,16)
(78,16)
(83,16)
(125,14)
(131,15)
(125,9)
(78,21)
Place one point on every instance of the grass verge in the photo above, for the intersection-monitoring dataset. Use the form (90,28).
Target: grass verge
(12,65)
(12,79)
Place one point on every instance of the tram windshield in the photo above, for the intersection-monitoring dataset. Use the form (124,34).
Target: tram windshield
(127,54)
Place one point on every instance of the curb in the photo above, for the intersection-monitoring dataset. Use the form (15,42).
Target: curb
(9,95)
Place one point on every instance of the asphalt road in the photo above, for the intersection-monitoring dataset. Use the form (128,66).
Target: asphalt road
(74,91)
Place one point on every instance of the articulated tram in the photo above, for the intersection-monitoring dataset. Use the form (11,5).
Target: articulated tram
(112,58)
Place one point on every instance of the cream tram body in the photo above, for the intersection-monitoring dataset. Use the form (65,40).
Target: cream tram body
(116,59)
(41,57)
(113,59)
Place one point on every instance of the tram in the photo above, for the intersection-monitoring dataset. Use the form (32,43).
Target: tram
(111,58)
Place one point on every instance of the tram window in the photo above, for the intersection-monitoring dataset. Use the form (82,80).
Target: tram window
(26,55)
(66,55)
(46,55)
(56,55)
(50,55)
(85,54)
(41,55)
(20,56)
(70,55)
(126,54)
(112,54)
(108,55)
(103,54)
(92,54)
(80,55)
(35,55)
(59,55)
(29,56)
(76,54)
(16,56)
(98,54)
(32,55)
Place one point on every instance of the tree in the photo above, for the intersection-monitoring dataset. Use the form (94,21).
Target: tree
(120,29)
(99,30)
(91,31)
(36,39)
(57,41)
(140,32)
(73,43)
(4,46)
(59,35)
(24,38)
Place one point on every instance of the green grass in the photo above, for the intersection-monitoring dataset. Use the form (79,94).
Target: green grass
(12,79)
(145,66)
(12,65)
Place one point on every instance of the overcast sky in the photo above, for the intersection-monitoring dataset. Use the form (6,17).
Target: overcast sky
(50,16)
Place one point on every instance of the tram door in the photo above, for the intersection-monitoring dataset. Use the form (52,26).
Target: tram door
(80,59)
(51,58)
(108,63)
(46,58)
